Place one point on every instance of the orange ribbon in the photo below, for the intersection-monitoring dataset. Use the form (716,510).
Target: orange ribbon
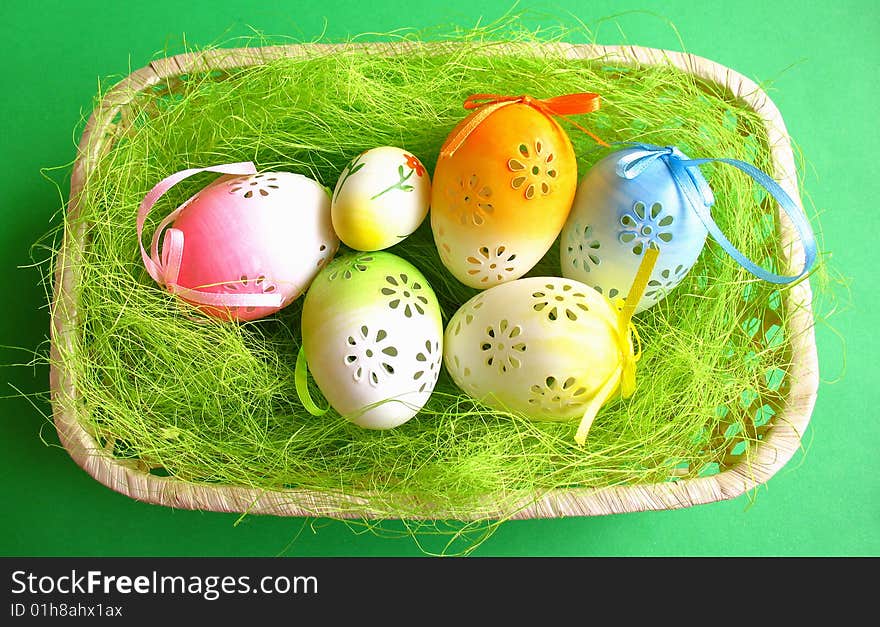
(487,104)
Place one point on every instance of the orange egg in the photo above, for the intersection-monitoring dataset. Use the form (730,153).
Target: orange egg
(502,196)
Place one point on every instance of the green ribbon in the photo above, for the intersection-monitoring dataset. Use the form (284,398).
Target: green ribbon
(301,378)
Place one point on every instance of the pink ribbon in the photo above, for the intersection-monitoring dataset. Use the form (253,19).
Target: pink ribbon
(164,265)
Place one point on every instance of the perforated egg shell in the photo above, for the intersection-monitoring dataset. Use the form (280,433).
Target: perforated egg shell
(541,346)
(243,241)
(381,197)
(373,336)
(615,217)
(499,201)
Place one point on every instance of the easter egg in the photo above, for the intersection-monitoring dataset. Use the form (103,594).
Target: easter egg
(501,197)
(619,211)
(546,347)
(381,197)
(246,245)
(372,334)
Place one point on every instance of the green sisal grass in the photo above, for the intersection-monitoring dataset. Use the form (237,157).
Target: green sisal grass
(209,402)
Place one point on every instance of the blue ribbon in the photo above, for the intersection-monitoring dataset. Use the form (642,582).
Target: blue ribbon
(699,194)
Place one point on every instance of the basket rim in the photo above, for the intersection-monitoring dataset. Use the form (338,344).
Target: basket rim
(768,457)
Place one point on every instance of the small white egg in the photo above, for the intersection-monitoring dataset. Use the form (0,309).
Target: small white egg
(381,197)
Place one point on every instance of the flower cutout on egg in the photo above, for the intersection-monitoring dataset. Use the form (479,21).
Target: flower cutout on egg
(503,346)
(611,293)
(669,278)
(533,170)
(404,295)
(414,164)
(253,186)
(491,265)
(323,253)
(583,248)
(429,364)
(644,226)
(246,285)
(559,303)
(444,247)
(345,267)
(471,201)
(467,314)
(468,383)
(557,397)
(370,357)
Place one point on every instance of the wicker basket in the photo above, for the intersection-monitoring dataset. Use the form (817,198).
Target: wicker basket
(779,443)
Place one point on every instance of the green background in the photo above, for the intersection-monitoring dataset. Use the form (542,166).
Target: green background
(822,60)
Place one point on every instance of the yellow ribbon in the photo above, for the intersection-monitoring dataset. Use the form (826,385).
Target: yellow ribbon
(624,376)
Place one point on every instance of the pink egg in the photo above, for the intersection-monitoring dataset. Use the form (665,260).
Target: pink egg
(246,245)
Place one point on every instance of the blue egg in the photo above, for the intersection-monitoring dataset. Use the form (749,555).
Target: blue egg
(627,202)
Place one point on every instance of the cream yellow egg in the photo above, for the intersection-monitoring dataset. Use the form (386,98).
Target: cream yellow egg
(382,196)
(541,346)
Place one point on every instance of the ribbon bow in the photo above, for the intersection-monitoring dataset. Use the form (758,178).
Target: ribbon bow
(624,376)
(487,104)
(699,194)
(164,266)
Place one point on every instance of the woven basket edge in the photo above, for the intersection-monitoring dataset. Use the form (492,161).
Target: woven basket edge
(772,454)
